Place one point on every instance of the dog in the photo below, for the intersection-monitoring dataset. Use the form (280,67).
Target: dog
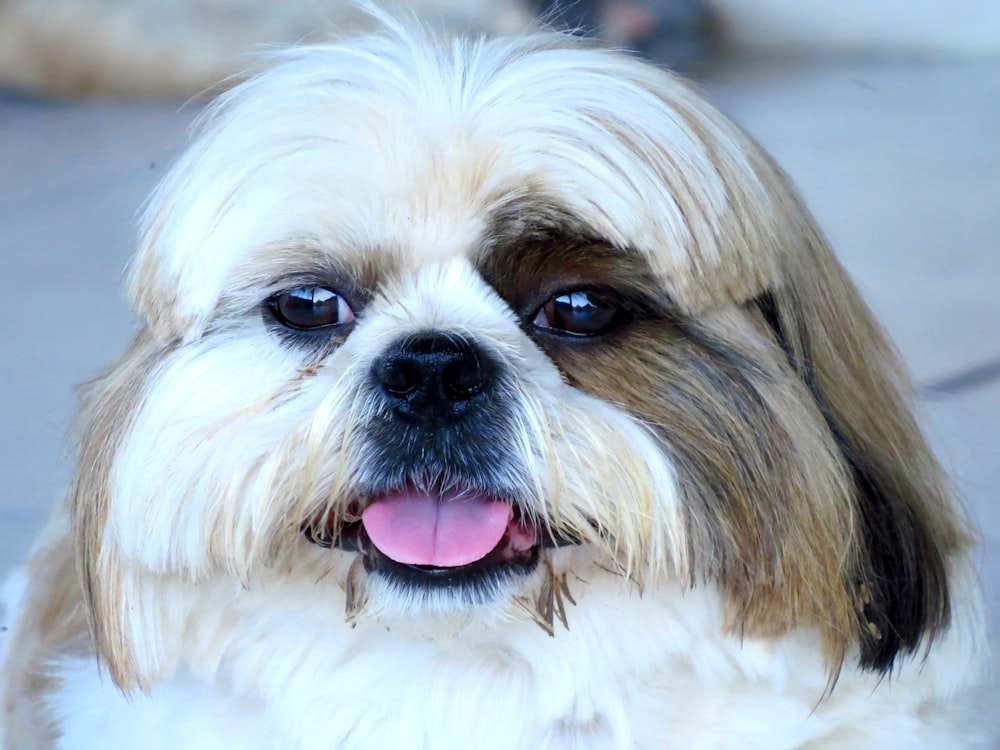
(493,393)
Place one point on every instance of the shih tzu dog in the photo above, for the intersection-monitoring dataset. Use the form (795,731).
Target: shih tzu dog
(493,393)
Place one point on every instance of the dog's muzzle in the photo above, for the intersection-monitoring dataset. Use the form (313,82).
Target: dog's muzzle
(439,513)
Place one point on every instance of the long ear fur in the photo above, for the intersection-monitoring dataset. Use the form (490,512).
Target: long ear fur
(109,403)
(909,524)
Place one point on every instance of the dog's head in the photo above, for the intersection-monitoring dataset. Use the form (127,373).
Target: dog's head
(441,317)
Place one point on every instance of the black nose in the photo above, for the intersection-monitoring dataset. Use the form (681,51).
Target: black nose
(433,379)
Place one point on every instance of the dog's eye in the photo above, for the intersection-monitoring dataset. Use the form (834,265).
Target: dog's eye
(307,307)
(579,313)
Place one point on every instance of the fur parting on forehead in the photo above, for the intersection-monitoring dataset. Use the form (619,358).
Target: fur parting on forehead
(404,139)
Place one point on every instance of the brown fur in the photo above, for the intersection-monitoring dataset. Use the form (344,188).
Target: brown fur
(811,496)
(910,527)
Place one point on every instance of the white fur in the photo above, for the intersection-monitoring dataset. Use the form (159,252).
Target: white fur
(632,671)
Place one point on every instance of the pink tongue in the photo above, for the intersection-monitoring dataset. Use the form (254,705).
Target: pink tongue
(440,529)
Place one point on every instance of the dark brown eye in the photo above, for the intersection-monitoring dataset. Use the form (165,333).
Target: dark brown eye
(307,307)
(579,313)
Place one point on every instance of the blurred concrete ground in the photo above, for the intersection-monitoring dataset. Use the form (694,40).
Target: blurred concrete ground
(900,161)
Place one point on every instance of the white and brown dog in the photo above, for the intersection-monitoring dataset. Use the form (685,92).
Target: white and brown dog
(493,393)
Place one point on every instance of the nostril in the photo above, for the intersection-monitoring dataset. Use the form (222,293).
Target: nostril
(465,375)
(398,375)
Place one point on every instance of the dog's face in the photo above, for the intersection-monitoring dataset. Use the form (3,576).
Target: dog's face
(438,320)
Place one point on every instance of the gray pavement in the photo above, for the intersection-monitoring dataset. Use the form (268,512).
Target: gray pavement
(901,163)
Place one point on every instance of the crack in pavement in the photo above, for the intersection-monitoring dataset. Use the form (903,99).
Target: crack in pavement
(962,381)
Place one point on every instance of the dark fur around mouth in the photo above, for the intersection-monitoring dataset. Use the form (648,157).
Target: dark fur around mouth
(477,582)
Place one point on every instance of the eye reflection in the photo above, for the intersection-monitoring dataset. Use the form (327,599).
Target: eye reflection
(308,307)
(580,312)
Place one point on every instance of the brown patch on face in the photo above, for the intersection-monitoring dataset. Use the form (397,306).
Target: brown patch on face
(810,496)
(766,497)
(110,403)
(51,622)
(731,417)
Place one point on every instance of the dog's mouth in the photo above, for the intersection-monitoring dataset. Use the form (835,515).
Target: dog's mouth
(441,538)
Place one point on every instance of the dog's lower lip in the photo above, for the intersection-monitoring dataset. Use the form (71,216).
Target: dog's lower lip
(463,579)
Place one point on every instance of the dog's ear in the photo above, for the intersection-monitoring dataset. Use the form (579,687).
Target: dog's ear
(907,524)
(112,602)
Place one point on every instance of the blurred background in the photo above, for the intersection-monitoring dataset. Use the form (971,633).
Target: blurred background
(885,112)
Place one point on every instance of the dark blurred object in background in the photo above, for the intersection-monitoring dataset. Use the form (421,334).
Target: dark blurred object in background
(675,33)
